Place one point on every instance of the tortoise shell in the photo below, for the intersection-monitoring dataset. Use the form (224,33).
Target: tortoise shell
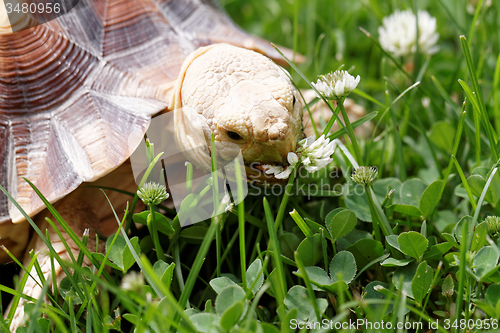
(77,93)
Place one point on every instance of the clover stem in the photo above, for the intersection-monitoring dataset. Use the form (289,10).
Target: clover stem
(85,240)
(380,220)
(331,121)
(350,131)
(378,215)
(375,224)
(154,232)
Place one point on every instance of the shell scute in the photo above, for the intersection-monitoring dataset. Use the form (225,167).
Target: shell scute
(77,93)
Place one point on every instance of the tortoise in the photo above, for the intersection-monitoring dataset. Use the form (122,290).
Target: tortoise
(72,90)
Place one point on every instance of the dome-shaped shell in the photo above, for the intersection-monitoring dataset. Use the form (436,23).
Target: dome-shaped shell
(77,93)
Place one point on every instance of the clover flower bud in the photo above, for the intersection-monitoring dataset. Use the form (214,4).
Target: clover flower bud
(152,193)
(469,259)
(364,175)
(493,223)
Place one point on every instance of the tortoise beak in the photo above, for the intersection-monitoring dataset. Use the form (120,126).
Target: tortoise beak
(271,152)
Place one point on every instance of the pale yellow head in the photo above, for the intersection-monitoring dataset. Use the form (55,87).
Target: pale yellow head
(241,96)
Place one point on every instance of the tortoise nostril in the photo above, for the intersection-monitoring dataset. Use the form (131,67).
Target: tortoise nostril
(234,136)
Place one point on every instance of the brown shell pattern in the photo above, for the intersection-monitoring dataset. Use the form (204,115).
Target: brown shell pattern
(77,93)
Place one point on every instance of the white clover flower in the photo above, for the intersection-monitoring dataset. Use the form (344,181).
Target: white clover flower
(280,172)
(133,281)
(316,154)
(313,154)
(152,193)
(336,84)
(272,169)
(398,33)
(324,88)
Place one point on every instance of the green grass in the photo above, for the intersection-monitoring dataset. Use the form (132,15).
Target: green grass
(414,249)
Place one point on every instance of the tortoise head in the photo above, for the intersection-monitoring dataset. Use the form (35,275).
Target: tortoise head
(244,99)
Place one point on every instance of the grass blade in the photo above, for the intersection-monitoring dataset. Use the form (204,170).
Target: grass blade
(387,110)
(198,261)
(477,122)
(367,97)
(309,288)
(473,23)
(22,283)
(42,236)
(399,145)
(470,233)
(454,150)
(144,264)
(461,277)
(309,83)
(274,244)
(241,223)
(475,84)
(496,104)
(301,223)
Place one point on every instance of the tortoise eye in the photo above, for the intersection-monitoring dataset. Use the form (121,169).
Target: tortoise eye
(234,136)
